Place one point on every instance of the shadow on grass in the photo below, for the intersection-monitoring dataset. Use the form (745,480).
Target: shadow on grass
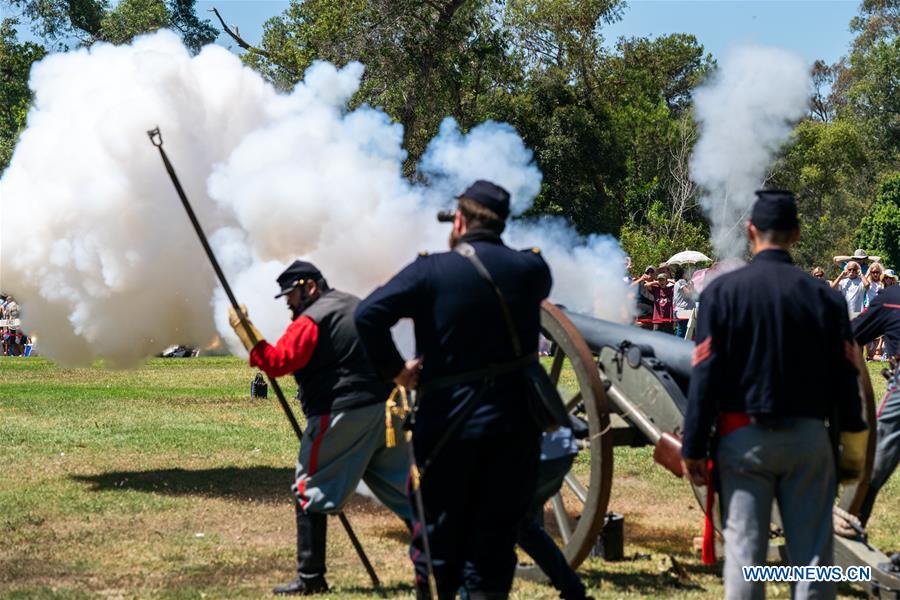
(265,484)
(384,591)
(645,583)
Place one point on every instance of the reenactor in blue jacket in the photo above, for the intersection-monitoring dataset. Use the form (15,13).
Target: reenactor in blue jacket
(475,444)
(773,361)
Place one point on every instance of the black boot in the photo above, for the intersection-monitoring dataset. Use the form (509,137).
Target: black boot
(311,531)
(302,586)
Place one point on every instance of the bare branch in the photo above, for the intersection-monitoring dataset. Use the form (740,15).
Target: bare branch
(240,41)
(682,188)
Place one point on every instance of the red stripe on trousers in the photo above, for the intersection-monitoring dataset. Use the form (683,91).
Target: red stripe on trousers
(313,460)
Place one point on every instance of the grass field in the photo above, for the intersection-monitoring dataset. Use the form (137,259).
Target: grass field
(169,481)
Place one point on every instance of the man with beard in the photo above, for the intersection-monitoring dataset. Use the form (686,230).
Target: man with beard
(343,401)
(476,312)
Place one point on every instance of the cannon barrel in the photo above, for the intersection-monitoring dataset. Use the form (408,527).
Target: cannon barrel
(673,352)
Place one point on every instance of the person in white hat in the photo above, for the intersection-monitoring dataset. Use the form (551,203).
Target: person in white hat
(859,255)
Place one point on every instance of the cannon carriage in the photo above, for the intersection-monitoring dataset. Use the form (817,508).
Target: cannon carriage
(630,386)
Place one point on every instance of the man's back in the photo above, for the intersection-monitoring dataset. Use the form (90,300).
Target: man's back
(338,376)
(460,327)
(780,331)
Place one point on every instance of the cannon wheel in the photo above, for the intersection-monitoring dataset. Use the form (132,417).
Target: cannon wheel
(580,519)
(852,496)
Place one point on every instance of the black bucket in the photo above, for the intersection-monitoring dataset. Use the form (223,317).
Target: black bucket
(258,387)
(611,541)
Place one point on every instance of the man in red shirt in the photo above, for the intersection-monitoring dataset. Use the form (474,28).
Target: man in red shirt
(343,401)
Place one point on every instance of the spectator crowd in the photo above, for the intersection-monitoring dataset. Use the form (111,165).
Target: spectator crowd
(861,279)
(13,340)
(666,296)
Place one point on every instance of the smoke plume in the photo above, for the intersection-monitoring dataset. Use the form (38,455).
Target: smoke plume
(746,112)
(105,264)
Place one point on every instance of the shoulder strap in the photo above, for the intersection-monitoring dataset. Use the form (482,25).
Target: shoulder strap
(468,251)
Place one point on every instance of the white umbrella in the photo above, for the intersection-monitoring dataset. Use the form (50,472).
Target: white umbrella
(688,257)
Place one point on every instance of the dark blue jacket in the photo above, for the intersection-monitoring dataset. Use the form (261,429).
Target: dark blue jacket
(882,318)
(771,340)
(459,327)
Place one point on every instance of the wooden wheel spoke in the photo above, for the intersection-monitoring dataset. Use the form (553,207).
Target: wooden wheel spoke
(562,518)
(577,488)
(556,368)
(573,369)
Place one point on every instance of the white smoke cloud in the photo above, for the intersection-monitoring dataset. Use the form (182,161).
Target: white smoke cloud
(746,113)
(490,151)
(104,262)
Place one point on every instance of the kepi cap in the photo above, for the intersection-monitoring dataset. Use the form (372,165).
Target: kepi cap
(774,210)
(490,195)
(297,273)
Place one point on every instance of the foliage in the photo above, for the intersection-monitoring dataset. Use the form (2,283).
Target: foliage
(866,87)
(611,124)
(655,241)
(601,123)
(825,166)
(850,143)
(874,96)
(130,18)
(15,96)
(84,22)
(62,24)
(880,228)
(576,149)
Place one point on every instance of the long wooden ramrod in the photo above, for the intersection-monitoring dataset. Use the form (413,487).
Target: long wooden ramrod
(156,140)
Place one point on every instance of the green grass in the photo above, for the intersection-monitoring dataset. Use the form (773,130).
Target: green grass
(170,482)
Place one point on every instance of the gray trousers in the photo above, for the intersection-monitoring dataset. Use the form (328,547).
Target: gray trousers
(339,449)
(794,466)
(887,450)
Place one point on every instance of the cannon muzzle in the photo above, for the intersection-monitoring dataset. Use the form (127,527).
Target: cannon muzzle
(673,352)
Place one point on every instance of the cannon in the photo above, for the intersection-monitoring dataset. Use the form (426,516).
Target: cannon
(630,386)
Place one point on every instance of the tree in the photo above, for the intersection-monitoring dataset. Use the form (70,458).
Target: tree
(85,22)
(879,231)
(878,20)
(15,96)
(649,244)
(130,18)
(866,87)
(828,168)
(824,77)
(649,83)
(424,60)
(874,96)
(575,148)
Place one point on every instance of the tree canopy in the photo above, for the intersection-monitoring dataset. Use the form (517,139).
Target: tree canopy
(610,121)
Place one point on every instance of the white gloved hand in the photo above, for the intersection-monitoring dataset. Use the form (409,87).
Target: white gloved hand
(244,328)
